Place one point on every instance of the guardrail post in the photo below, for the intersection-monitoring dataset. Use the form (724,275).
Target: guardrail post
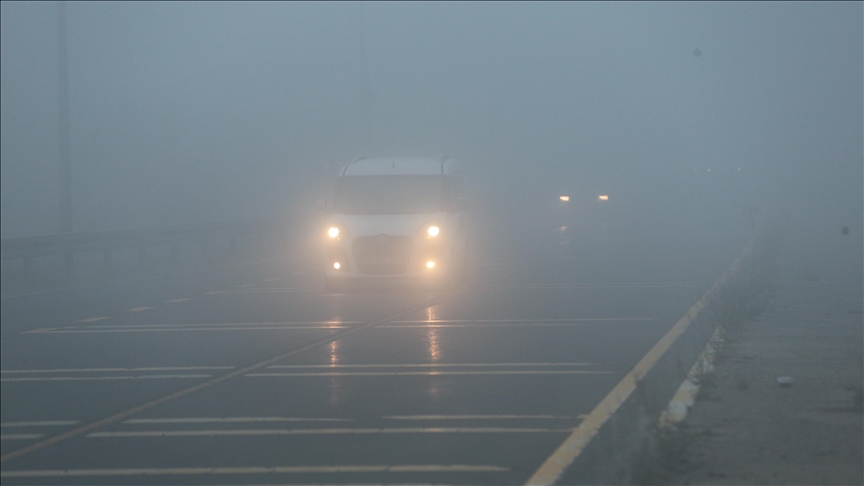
(205,250)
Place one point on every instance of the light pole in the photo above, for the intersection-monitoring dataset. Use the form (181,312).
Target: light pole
(63,102)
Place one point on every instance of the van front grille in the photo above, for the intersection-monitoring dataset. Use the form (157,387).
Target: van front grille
(382,254)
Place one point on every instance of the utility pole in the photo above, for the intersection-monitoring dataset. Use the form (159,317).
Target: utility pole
(65,143)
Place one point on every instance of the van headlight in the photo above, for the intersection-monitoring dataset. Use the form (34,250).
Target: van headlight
(433,231)
(336,232)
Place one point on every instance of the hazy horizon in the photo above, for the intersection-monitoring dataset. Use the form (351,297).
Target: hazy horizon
(187,112)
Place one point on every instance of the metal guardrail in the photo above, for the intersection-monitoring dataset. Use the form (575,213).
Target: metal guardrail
(29,248)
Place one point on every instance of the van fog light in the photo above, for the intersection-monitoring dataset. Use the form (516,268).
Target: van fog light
(337,265)
(430,264)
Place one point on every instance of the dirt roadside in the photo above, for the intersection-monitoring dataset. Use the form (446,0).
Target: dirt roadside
(746,426)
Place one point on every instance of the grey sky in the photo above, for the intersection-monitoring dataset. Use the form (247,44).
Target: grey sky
(184,112)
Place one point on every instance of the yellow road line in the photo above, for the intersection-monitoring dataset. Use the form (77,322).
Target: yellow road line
(92,319)
(566,453)
(340,431)
(177,471)
(433,373)
(42,423)
(139,309)
(172,301)
(428,365)
(104,378)
(226,420)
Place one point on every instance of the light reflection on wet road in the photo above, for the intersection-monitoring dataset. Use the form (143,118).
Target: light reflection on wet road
(410,385)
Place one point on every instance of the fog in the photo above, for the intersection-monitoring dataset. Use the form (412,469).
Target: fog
(188,112)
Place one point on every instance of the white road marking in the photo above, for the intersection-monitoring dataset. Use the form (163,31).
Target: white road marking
(299,324)
(175,471)
(42,423)
(108,370)
(273,290)
(102,378)
(139,309)
(40,331)
(21,436)
(433,373)
(177,300)
(92,319)
(187,329)
(427,365)
(212,292)
(483,417)
(229,420)
(491,323)
(580,319)
(274,279)
(340,431)
(635,285)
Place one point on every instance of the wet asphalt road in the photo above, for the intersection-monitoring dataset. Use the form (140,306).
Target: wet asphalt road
(260,377)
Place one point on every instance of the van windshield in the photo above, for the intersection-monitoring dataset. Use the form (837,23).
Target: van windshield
(393,194)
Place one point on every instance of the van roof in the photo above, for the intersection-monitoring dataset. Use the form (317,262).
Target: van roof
(399,166)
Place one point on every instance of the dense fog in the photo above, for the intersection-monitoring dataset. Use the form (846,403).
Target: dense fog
(188,112)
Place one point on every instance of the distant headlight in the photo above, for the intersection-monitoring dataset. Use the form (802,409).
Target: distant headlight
(333,232)
(564,198)
(433,230)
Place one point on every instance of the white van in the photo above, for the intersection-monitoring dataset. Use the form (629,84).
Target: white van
(396,218)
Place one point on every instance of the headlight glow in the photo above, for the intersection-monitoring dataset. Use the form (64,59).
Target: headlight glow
(333,232)
(430,264)
(337,265)
(433,231)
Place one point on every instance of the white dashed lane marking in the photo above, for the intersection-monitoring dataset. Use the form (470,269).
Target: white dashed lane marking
(178,471)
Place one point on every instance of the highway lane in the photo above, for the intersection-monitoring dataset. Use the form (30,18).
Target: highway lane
(399,384)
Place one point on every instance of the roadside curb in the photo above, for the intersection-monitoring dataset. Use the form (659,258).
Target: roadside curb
(685,397)
(607,446)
